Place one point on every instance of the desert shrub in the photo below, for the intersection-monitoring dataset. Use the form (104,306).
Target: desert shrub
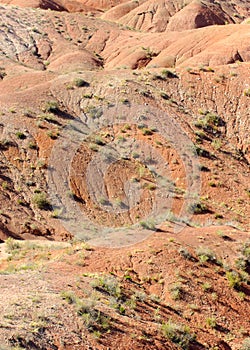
(87,95)
(5,185)
(2,72)
(151,186)
(85,306)
(240,263)
(245,250)
(118,202)
(11,244)
(205,254)
(166,73)
(217,143)
(148,225)
(234,279)
(201,135)
(69,296)
(56,213)
(141,296)
(79,82)
(201,152)
(164,95)
(198,208)
(247,92)
(49,117)
(185,253)
(20,135)
(211,322)
(206,287)
(243,262)
(204,168)
(5,144)
(41,201)
(176,291)
(124,101)
(95,319)
(209,122)
(147,132)
(53,134)
(99,141)
(32,145)
(107,284)
(94,112)
(52,107)
(179,334)
(145,93)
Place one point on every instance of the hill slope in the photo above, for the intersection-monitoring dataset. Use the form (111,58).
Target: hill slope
(127,126)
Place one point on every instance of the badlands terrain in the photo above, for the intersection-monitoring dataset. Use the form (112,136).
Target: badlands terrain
(124,174)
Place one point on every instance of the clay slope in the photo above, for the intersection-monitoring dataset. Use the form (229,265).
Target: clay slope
(158,16)
(146,16)
(102,128)
(216,45)
(46,4)
(166,293)
(151,15)
(62,47)
(64,5)
(212,46)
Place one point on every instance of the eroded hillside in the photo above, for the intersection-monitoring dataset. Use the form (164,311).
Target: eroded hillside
(113,114)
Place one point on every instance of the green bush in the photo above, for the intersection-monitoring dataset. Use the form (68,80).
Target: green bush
(247,92)
(95,320)
(94,112)
(2,72)
(20,135)
(211,322)
(179,334)
(79,82)
(209,122)
(99,141)
(52,107)
(147,132)
(234,279)
(185,253)
(198,208)
(41,201)
(11,244)
(243,262)
(176,291)
(5,144)
(164,95)
(148,225)
(107,284)
(168,74)
(69,296)
(206,254)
